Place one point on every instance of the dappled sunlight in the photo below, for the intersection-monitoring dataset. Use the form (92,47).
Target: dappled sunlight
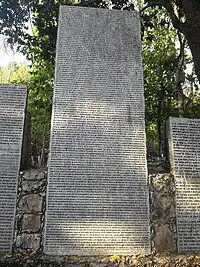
(102,185)
(92,236)
(113,123)
(89,111)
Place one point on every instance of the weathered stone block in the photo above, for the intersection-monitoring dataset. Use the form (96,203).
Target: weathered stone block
(162,201)
(32,185)
(28,241)
(31,222)
(164,207)
(31,174)
(31,202)
(164,239)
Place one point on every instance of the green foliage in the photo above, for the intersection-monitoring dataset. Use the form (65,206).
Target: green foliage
(160,61)
(40,105)
(14,73)
(185,17)
(20,75)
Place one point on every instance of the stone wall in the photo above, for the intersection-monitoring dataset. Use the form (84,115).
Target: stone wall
(184,141)
(30,211)
(163,215)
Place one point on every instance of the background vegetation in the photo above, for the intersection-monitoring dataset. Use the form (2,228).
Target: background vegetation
(170,83)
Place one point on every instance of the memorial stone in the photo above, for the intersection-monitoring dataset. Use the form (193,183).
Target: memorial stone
(184,147)
(97,192)
(12,106)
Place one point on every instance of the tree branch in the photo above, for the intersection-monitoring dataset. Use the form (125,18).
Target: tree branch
(85,3)
(175,21)
(179,78)
(168,6)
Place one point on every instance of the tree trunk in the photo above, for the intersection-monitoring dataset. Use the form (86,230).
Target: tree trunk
(179,73)
(159,123)
(192,35)
(160,119)
(26,144)
(195,49)
(180,101)
(191,30)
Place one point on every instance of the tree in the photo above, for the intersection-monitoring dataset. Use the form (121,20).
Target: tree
(164,64)
(40,106)
(169,89)
(185,17)
(160,64)
(14,16)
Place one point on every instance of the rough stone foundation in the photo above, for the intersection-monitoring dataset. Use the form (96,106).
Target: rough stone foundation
(30,211)
(162,212)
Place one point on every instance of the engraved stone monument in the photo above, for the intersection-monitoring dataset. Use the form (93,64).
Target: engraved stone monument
(12,107)
(184,146)
(97,193)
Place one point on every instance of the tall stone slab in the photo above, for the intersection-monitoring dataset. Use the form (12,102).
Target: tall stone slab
(184,145)
(12,107)
(97,195)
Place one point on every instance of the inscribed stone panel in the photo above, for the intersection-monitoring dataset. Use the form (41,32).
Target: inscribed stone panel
(184,141)
(97,195)
(12,106)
